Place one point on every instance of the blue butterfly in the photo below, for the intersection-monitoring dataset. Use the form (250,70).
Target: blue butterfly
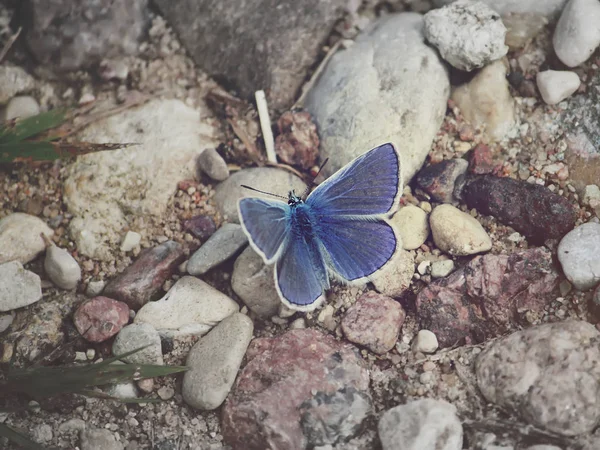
(340,230)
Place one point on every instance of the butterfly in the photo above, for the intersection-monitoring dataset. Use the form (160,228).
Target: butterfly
(340,230)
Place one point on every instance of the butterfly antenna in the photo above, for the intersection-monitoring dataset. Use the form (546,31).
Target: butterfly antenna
(312,182)
(262,192)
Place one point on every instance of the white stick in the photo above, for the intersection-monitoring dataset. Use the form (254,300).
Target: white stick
(265,125)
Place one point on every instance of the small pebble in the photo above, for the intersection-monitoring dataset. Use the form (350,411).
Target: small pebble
(578,255)
(166,392)
(95,288)
(211,163)
(298,324)
(20,107)
(457,233)
(100,318)
(226,242)
(423,267)
(555,85)
(130,241)
(5,322)
(441,269)
(97,438)
(425,342)
(577,33)
(412,225)
(141,336)
(61,267)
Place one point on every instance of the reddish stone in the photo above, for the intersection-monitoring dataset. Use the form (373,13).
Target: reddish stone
(298,390)
(374,321)
(142,281)
(482,161)
(200,226)
(531,209)
(100,318)
(298,141)
(439,180)
(488,296)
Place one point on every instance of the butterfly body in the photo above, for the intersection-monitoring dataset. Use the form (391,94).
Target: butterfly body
(339,231)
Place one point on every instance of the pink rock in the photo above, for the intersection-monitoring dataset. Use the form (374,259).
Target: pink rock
(374,321)
(298,390)
(487,297)
(101,318)
(482,161)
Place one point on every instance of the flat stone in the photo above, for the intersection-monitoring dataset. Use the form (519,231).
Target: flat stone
(468,34)
(439,180)
(190,307)
(425,424)
(139,336)
(578,255)
(100,318)
(13,81)
(412,225)
(556,85)
(214,362)
(20,237)
(21,107)
(213,164)
(62,268)
(389,86)
(457,233)
(547,375)
(441,269)
(395,276)
(18,287)
(226,242)
(577,33)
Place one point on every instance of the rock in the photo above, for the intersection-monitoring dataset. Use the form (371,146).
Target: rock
(439,180)
(374,321)
(113,70)
(95,288)
(99,439)
(122,390)
(143,280)
(226,242)
(20,107)
(214,362)
(425,424)
(389,86)
(547,8)
(425,342)
(412,225)
(395,276)
(13,81)
(556,85)
(276,181)
(488,296)
(105,29)
(108,191)
(591,195)
(263,45)
(441,269)
(253,282)
(577,33)
(521,28)
(547,375)
(531,209)
(18,287)
(595,302)
(481,161)
(130,241)
(190,307)
(200,226)
(486,101)
(6,320)
(468,34)
(42,433)
(213,164)
(298,141)
(20,237)
(62,269)
(139,336)
(578,255)
(100,318)
(300,389)
(71,425)
(457,233)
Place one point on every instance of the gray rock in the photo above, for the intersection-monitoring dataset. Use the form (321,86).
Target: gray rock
(95,288)
(421,425)
(395,276)
(546,8)
(62,269)
(441,269)
(5,322)
(276,181)
(457,233)
(20,107)
(547,374)
(42,433)
(213,165)
(105,191)
(72,425)
(214,362)
(264,44)
(221,246)
(130,241)
(389,86)
(556,85)
(578,255)
(20,237)
(99,439)
(468,34)
(18,287)
(485,101)
(104,29)
(577,33)
(190,307)
(13,80)
(254,283)
(135,336)
(412,225)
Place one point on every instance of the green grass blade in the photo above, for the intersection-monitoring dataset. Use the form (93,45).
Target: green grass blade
(36,150)
(15,131)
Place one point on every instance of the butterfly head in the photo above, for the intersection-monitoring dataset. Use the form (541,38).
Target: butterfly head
(294,199)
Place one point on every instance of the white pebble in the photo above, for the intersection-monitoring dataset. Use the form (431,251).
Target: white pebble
(130,241)
(441,269)
(577,33)
(20,107)
(423,267)
(425,342)
(556,85)
(457,233)
(61,267)
(412,225)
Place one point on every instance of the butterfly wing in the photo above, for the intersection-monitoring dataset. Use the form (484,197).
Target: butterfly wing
(266,223)
(369,185)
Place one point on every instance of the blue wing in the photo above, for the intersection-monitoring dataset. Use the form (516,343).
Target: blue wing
(369,185)
(356,248)
(266,222)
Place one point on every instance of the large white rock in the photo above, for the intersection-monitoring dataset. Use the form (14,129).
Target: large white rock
(577,33)
(556,85)
(18,287)
(105,190)
(20,237)
(389,86)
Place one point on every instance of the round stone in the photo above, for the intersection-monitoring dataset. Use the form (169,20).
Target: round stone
(457,233)
(412,225)
(578,255)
